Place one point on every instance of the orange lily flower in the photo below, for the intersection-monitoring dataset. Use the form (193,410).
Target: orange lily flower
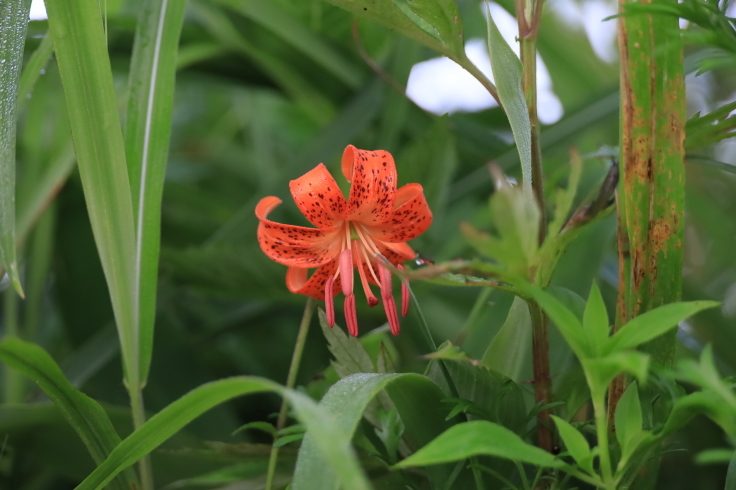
(373,224)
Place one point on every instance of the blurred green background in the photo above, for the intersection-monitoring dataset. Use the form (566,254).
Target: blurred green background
(265,91)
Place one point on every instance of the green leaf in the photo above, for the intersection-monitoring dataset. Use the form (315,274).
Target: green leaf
(509,349)
(345,402)
(714,456)
(705,402)
(653,323)
(328,438)
(81,53)
(84,414)
(595,320)
(565,320)
(33,69)
(628,422)
(564,199)
(500,398)
(479,438)
(147,133)
(443,18)
(13,25)
(575,442)
(350,355)
(602,370)
(507,73)
(389,14)
(731,474)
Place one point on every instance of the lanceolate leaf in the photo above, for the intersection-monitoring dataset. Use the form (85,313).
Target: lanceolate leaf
(507,69)
(654,323)
(480,438)
(147,132)
(81,53)
(510,347)
(13,25)
(347,400)
(328,437)
(84,414)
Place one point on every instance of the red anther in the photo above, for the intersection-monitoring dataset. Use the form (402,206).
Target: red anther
(351,315)
(404,294)
(372,300)
(346,272)
(330,301)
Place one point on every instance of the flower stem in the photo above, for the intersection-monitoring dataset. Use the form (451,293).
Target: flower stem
(540,366)
(296,358)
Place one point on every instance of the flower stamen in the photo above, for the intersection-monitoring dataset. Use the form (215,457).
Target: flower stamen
(357,251)
(388,300)
(330,301)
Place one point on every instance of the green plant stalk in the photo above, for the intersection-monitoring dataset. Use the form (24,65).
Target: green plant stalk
(296,358)
(601,428)
(139,418)
(528,13)
(652,163)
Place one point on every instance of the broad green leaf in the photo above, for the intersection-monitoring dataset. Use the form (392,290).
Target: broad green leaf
(84,414)
(147,132)
(13,25)
(291,30)
(575,442)
(507,72)
(328,438)
(347,400)
(595,320)
(480,438)
(81,53)
(654,323)
(509,349)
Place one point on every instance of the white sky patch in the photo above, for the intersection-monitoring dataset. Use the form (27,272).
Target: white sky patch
(440,86)
(589,15)
(38,10)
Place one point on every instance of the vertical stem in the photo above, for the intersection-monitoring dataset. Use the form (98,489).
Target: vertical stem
(296,358)
(601,427)
(542,380)
(139,418)
(528,14)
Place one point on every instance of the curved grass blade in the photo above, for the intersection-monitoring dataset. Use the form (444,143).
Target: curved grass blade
(147,134)
(33,68)
(84,414)
(84,64)
(13,26)
(330,440)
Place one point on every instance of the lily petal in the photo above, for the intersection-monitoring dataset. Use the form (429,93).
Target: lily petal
(314,286)
(396,253)
(295,246)
(372,175)
(319,198)
(410,218)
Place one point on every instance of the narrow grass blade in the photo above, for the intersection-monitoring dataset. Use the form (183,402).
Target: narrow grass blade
(33,68)
(86,76)
(147,133)
(13,26)
(84,414)
(331,441)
